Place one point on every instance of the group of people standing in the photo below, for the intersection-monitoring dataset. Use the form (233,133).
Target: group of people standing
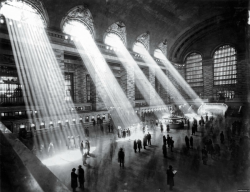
(79,175)
(138,143)
(167,141)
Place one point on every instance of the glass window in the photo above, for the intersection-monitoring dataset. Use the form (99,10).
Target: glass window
(194,75)
(225,61)
(159,55)
(138,95)
(88,88)
(226,94)
(69,86)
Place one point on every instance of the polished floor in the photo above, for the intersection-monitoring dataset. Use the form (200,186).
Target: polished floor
(146,171)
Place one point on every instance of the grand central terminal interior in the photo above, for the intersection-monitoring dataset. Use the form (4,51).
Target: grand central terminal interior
(124,95)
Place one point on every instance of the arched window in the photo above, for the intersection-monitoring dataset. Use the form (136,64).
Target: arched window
(225,61)
(159,54)
(113,40)
(139,48)
(194,74)
(26,12)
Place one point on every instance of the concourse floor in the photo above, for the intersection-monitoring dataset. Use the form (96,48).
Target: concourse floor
(146,171)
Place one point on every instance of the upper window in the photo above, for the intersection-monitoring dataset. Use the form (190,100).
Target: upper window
(194,74)
(69,86)
(139,48)
(113,40)
(225,61)
(159,54)
(249,17)
(88,88)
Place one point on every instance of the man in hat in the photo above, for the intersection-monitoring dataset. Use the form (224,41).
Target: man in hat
(73,180)
(80,173)
(121,156)
(170,177)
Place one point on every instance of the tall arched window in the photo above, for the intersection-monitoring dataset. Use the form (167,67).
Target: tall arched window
(159,54)
(194,74)
(225,61)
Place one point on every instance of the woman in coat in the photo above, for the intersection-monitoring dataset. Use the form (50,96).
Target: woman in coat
(170,177)
(73,180)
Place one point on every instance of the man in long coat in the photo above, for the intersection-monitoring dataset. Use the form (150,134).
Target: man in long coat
(145,141)
(139,145)
(149,138)
(81,179)
(135,146)
(73,180)
(170,177)
(121,156)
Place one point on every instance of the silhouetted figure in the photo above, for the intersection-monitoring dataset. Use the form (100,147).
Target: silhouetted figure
(144,142)
(139,145)
(206,118)
(94,122)
(135,146)
(81,179)
(149,138)
(161,127)
(193,129)
(73,180)
(222,137)
(164,140)
(87,146)
(187,141)
(164,150)
(191,142)
(84,158)
(81,147)
(171,144)
(168,128)
(170,177)
(188,124)
(121,156)
(168,141)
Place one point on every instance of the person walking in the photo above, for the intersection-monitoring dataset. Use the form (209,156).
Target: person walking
(144,141)
(164,150)
(149,138)
(73,180)
(80,173)
(87,146)
(84,158)
(170,177)
(191,142)
(161,127)
(171,144)
(135,146)
(222,137)
(164,140)
(81,147)
(121,156)
(139,145)
(168,141)
(187,141)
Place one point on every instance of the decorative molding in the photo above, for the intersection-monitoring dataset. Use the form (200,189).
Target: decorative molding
(144,39)
(82,14)
(163,47)
(119,29)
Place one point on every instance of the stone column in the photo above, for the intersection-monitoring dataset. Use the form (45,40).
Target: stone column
(208,77)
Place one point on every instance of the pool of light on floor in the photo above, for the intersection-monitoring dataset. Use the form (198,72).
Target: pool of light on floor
(65,157)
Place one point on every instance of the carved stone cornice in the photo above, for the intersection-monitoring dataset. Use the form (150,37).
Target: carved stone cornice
(144,39)
(81,14)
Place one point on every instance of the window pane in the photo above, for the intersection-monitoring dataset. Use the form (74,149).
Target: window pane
(194,74)
(225,66)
